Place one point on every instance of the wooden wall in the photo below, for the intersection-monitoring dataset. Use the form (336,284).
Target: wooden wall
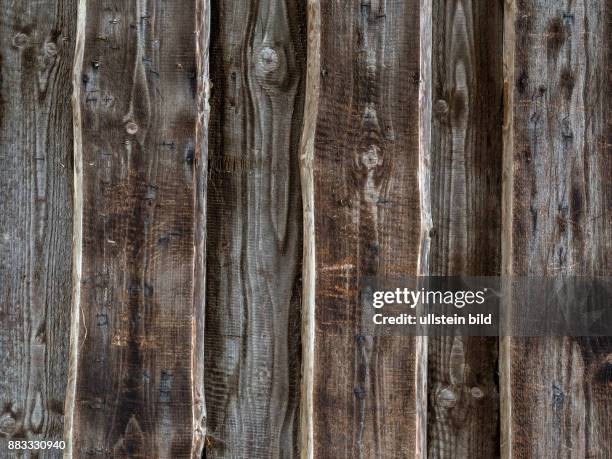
(193,193)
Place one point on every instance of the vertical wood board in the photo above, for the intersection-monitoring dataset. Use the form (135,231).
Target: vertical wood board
(463,413)
(252,332)
(36,52)
(556,400)
(135,85)
(367,223)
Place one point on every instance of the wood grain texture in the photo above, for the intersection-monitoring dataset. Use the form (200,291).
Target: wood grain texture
(466,156)
(367,223)
(36,49)
(201,174)
(252,336)
(557,400)
(135,90)
(309,266)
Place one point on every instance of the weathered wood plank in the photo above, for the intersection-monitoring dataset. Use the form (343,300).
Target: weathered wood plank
(556,399)
(36,52)
(135,115)
(252,334)
(201,174)
(309,266)
(463,414)
(368,222)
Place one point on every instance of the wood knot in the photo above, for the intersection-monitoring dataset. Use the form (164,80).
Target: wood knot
(271,66)
(476,392)
(371,158)
(50,49)
(441,108)
(20,40)
(8,425)
(131,128)
(446,397)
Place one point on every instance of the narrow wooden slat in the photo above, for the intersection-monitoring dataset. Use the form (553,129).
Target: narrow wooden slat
(463,414)
(556,391)
(135,114)
(309,276)
(368,222)
(252,335)
(36,52)
(201,174)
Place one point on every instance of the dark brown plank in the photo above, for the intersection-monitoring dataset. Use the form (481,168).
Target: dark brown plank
(135,122)
(36,53)
(368,222)
(463,414)
(556,399)
(252,338)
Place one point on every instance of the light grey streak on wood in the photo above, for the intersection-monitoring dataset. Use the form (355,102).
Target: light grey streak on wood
(201,178)
(35,219)
(312,94)
(77,230)
(425,199)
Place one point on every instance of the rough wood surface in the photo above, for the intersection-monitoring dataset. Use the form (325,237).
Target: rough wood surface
(309,274)
(36,52)
(558,221)
(201,176)
(135,91)
(367,223)
(463,414)
(252,336)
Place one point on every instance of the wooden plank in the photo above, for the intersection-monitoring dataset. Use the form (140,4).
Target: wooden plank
(463,414)
(557,221)
(309,266)
(369,221)
(252,335)
(135,121)
(36,52)
(201,174)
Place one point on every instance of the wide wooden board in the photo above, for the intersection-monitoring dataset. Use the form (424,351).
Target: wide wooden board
(556,399)
(368,222)
(252,332)
(36,53)
(135,121)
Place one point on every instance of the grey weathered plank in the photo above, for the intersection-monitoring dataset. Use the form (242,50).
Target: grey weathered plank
(252,338)
(369,221)
(556,398)
(135,124)
(463,413)
(36,52)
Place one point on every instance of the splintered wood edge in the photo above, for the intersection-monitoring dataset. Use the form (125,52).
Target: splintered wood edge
(311,107)
(507,192)
(424,180)
(202,29)
(77,236)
